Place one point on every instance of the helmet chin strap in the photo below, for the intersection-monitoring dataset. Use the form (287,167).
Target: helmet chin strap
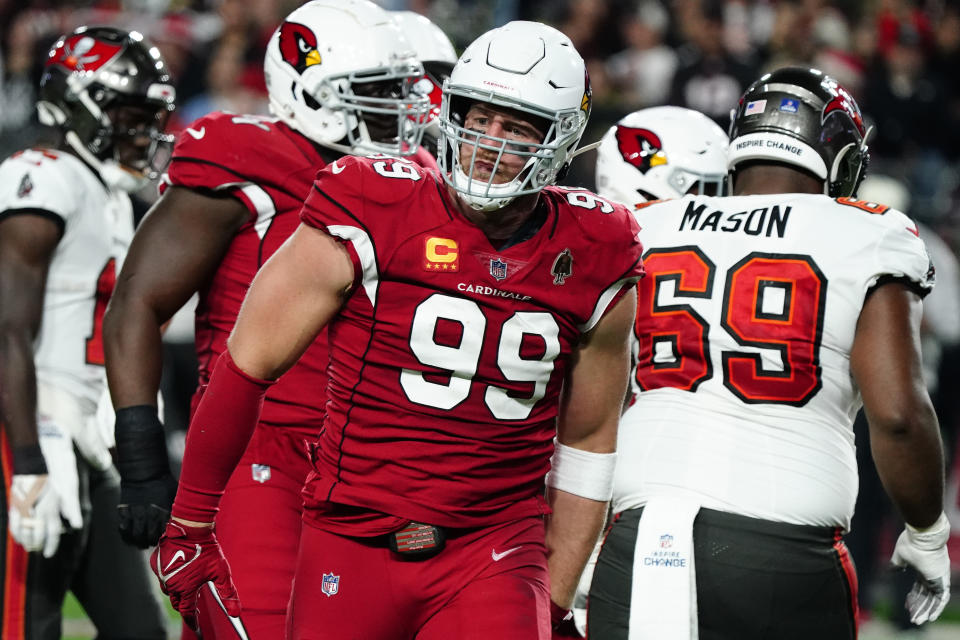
(496,196)
(490,202)
(110,171)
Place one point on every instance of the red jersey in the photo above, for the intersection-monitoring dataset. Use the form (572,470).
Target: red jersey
(448,357)
(270,168)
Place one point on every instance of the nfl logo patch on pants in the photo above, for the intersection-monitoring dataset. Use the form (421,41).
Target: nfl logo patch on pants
(261,472)
(330,584)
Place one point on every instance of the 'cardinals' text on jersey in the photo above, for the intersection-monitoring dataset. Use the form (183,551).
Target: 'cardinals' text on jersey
(97,229)
(270,168)
(743,335)
(448,357)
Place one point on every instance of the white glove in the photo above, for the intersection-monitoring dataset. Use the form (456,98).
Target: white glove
(583,589)
(37,502)
(95,436)
(34,514)
(90,427)
(926,551)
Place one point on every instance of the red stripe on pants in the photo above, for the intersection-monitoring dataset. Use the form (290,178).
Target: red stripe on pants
(848,569)
(15,562)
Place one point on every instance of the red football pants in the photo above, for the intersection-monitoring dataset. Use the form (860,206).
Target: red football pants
(488,583)
(258,527)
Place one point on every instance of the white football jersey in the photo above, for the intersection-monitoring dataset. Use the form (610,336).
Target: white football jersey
(742,343)
(97,229)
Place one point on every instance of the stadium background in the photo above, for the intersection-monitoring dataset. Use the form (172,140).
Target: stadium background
(898,57)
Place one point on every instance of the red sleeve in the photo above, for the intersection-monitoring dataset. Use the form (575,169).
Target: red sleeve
(203,153)
(369,192)
(337,195)
(633,248)
(426,160)
(364,202)
(627,260)
(219,433)
(335,201)
(252,158)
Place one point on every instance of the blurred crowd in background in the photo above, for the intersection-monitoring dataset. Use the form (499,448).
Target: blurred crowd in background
(900,59)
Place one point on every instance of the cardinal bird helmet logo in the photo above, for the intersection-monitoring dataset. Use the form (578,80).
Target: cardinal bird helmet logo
(298,46)
(640,147)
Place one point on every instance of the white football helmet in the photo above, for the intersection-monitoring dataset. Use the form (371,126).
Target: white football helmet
(528,67)
(435,51)
(340,73)
(429,41)
(660,153)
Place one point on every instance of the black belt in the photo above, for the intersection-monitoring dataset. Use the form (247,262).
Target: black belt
(417,540)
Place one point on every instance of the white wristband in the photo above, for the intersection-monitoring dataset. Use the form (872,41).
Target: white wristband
(582,473)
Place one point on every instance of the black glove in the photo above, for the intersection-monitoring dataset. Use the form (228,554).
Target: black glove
(561,621)
(147,487)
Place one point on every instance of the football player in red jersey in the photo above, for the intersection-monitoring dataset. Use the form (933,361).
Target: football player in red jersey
(337,75)
(478,324)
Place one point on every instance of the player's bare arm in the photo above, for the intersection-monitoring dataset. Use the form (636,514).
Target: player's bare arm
(27,243)
(35,503)
(294,295)
(590,411)
(292,298)
(904,433)
(164,267)
(905,440)
(146,297)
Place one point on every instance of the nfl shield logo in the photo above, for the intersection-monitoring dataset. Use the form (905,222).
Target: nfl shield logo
(330,585)
(666,541)
(261,473)
(498,268)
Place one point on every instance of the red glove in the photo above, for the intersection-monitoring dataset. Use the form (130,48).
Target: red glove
(561,621)
(186,558)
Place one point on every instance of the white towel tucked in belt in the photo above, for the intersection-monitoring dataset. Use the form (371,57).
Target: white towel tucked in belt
(663,602)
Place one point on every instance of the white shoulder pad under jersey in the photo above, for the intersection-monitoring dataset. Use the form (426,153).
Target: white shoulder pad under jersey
(37,179)
(742,343)
(97,225)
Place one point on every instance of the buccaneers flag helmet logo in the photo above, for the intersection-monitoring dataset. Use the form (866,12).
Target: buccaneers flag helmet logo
(841,101)
(640,147)
(81,52)
(298,46)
